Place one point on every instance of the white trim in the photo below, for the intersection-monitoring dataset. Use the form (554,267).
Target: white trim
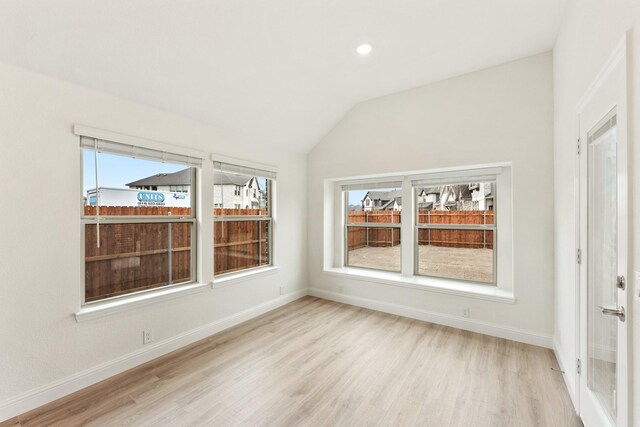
(117,305)
(424,283)
(241,162)
(588,115)
(566,367)
(243,276)
(478,326)
(34,398)
(334,233)
(383,177)
(82,130)
(618,55)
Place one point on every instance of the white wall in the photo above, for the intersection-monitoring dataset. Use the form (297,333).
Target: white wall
(589,32)
(40,259)
(500,114)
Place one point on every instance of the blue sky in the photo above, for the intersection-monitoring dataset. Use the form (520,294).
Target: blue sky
(117,171)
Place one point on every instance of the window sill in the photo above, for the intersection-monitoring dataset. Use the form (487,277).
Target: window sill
(101,309)
(433,284)
(229,279)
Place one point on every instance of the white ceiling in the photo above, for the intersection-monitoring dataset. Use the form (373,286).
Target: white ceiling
(278,72)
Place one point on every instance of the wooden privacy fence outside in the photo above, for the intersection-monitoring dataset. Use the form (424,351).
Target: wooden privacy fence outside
(362,236)
(238,245)
(135,256)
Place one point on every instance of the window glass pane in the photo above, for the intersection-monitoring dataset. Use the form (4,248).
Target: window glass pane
(456,254)
(181,252)
(374,247)
(135,257)
(239,245)
(129,186)
(461,198)
(237,194)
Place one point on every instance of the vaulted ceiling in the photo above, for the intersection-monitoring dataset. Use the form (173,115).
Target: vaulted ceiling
(277,72)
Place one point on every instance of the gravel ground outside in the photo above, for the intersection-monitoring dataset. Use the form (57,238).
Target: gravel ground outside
(457,263)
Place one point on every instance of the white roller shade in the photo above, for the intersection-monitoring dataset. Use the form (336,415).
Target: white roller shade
(377,185)
(456,177)
(243,170)
(133,151)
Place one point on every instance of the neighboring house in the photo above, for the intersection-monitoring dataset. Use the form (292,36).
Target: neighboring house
(237,192)
(477,196)
(394,204)
(427,198)
(179,182)
(482,196)
(229,191)
(382,200)
(448,197)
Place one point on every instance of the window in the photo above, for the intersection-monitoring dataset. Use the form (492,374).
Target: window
(179,188)
(135,238)
(440,225)
(243,237)
(456,231)
(373,236)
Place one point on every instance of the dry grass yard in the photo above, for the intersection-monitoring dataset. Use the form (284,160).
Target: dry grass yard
(458,263)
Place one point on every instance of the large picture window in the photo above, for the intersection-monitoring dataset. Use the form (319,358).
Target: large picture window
(243,218)
(138,219)
(442,225)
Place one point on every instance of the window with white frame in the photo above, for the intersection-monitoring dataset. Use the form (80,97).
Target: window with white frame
(372,225)
(455,229)
(137,235)
(454,219)
(243,237)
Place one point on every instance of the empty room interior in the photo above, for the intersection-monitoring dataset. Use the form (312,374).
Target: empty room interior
(320,213)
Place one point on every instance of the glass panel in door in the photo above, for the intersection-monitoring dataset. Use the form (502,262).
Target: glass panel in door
(603,258)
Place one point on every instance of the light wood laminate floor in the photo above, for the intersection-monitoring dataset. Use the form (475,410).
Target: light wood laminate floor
(319,363)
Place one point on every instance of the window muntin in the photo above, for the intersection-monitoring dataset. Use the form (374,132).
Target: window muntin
(137,234)
(372,228)
(243,219)
(456,230)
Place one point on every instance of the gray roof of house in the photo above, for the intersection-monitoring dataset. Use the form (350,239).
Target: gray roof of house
(383,195)
(182,177)
(398,200)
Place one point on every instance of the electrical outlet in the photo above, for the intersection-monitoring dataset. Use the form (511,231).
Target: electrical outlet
(147,336)
(281,290)
(465,312)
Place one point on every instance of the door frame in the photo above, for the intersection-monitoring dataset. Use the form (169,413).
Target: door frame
(618,58)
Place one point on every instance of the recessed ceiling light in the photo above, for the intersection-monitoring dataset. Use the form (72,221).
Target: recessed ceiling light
(364,49)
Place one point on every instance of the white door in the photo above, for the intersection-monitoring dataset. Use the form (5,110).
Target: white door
(603,244)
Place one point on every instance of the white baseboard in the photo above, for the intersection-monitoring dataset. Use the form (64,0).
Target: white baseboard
(566,367)
(48,393)
(486,328)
